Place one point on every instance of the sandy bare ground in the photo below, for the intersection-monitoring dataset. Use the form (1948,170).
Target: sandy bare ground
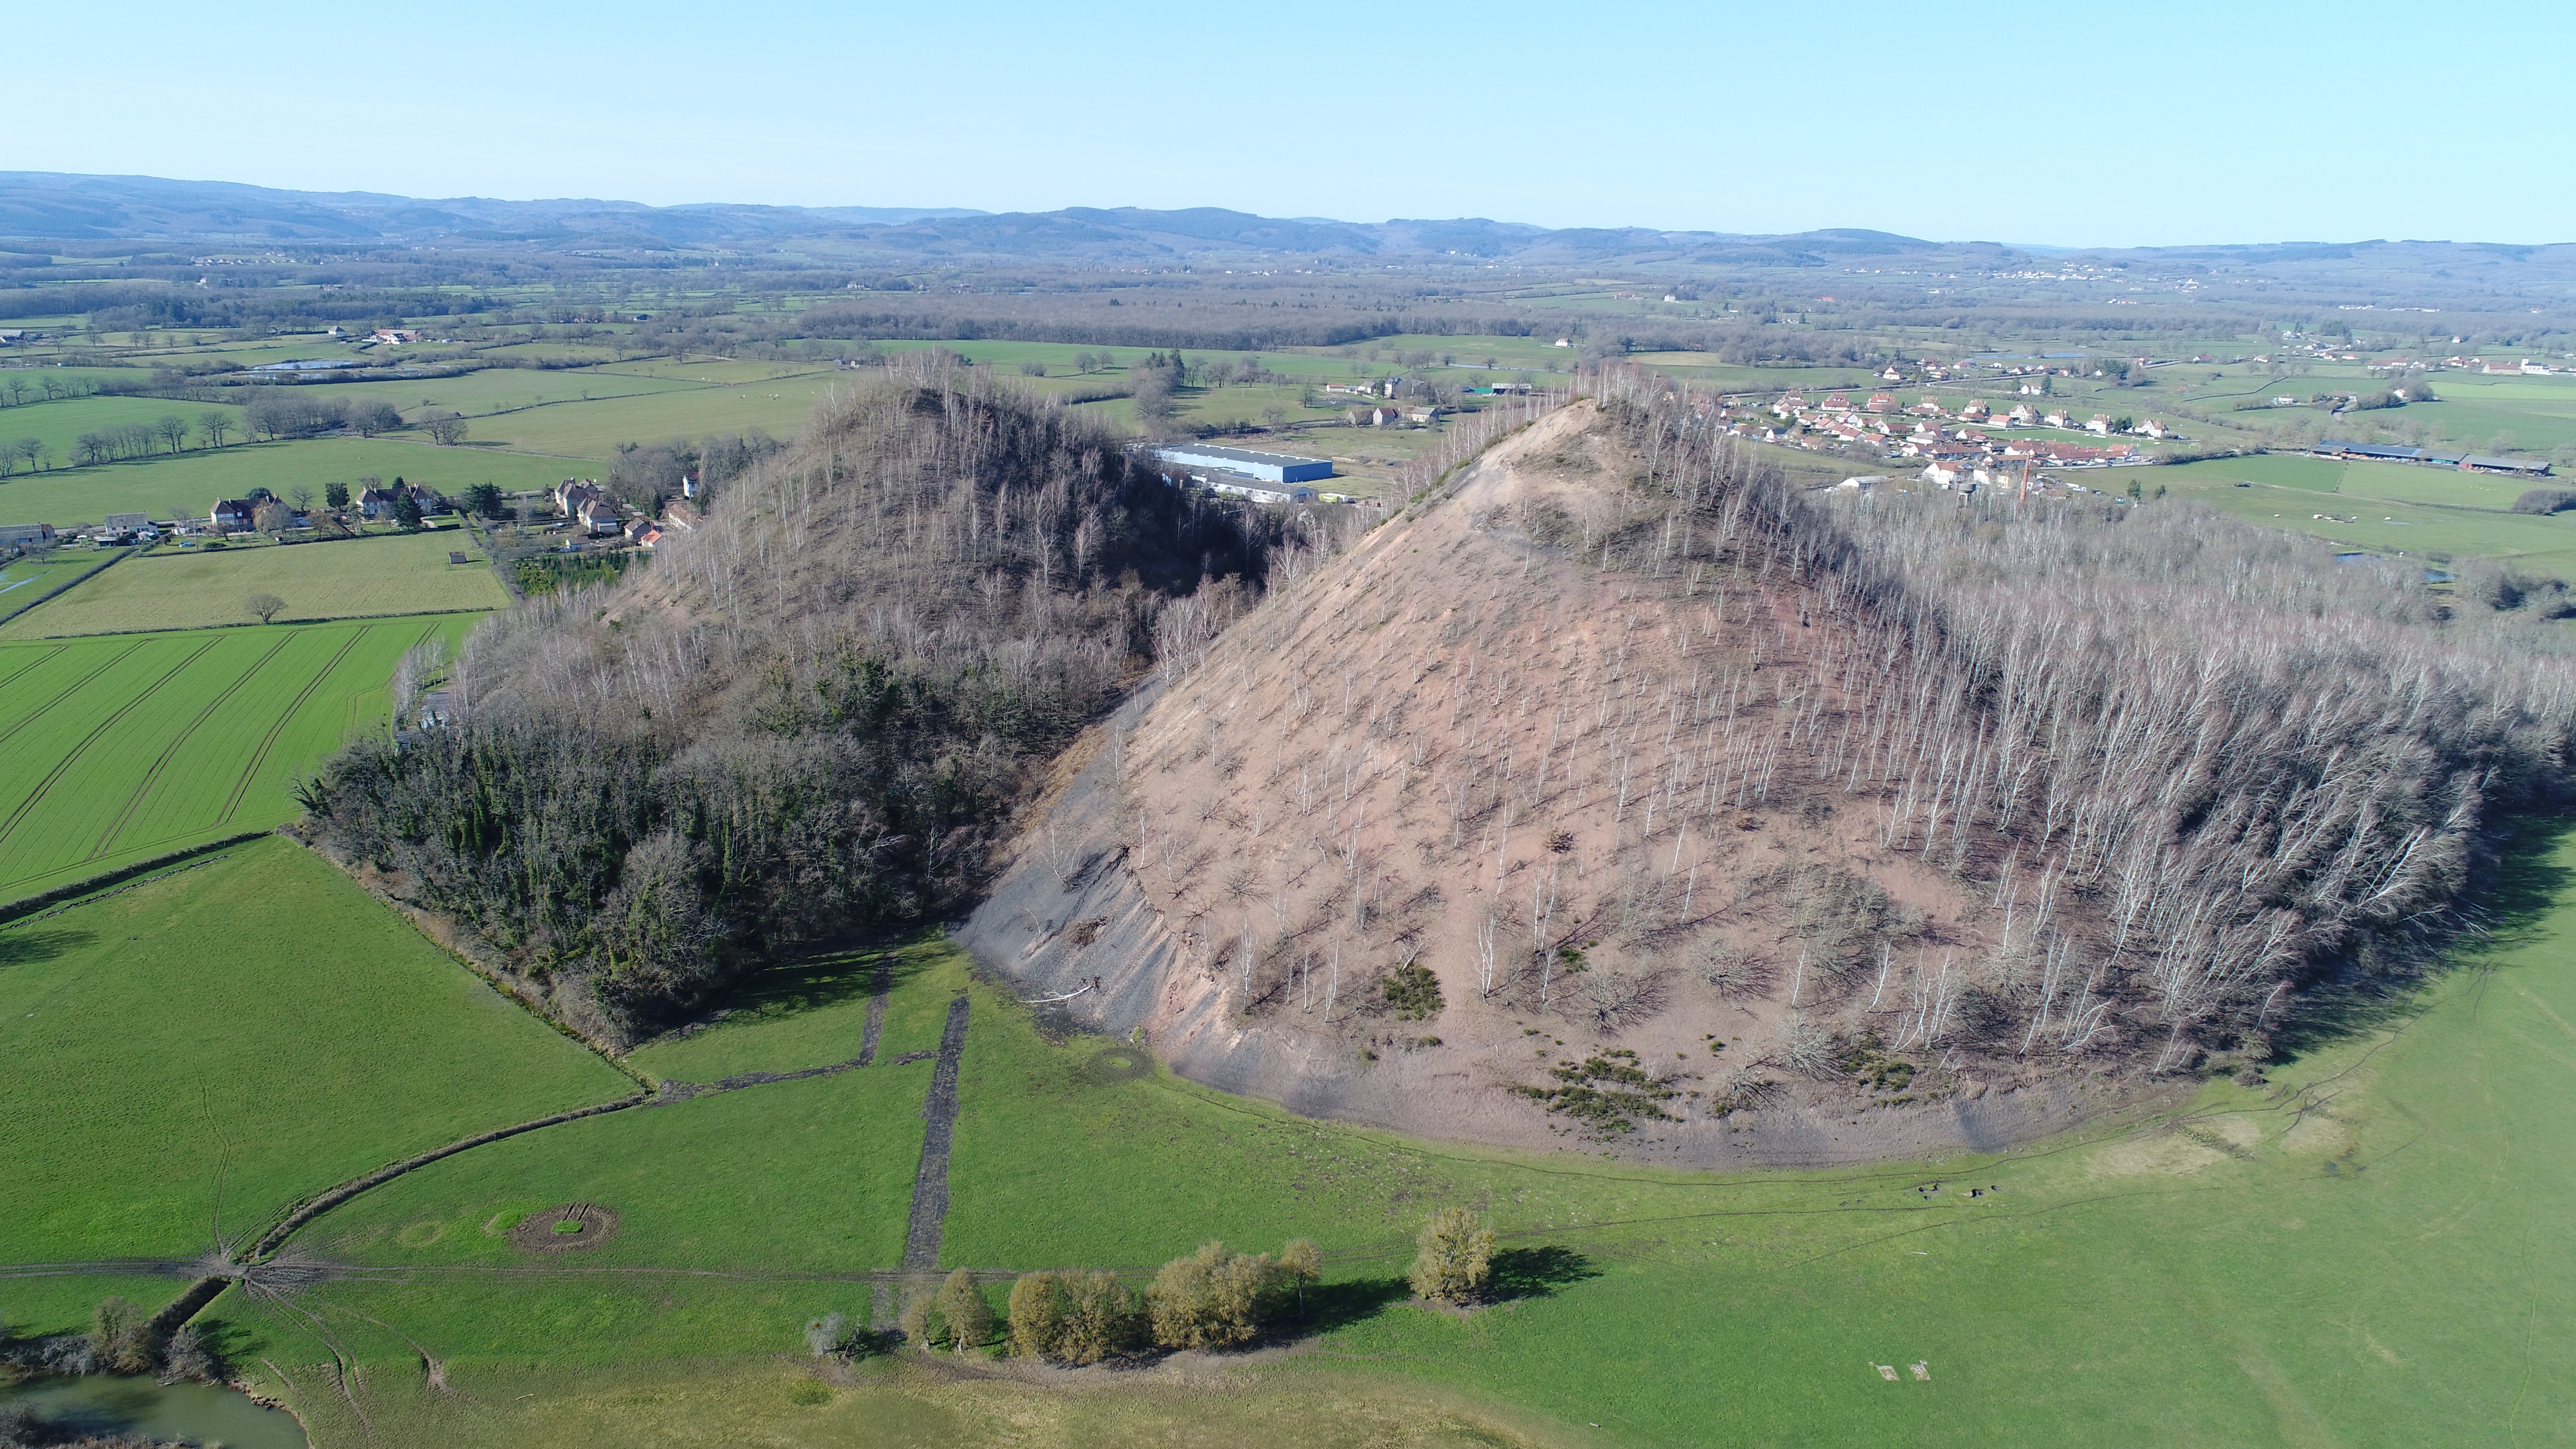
(1582,796)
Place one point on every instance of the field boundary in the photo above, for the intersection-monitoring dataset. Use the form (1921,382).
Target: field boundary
(255,624)
(75,581)
(80,892)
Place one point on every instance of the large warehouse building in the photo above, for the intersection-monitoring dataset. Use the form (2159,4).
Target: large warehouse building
(1268,467)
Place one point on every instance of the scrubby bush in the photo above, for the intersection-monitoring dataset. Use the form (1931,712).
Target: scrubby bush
(1412,992)
(1074,1318)
(1454,1258)
(963,1319)
(120,1334)
(1219,1299)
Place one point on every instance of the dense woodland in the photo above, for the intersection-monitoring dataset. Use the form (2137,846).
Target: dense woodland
(812,715)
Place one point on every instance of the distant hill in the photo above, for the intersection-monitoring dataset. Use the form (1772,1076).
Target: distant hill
(48,206)
(51,205)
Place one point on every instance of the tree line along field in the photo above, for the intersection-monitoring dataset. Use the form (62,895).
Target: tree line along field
(186,486)
(374,575)
(121,748)
(2323,1258)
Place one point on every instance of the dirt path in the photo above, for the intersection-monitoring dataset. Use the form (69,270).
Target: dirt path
(930,1186)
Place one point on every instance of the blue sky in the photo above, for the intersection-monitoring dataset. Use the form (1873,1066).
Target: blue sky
(2074,123)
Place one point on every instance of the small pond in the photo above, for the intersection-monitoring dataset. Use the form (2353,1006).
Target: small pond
(197,1413)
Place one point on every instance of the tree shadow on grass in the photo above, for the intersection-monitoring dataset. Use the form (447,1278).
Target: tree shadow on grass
(832,978)
(1339,1305)
(2511,906)
(25,947)
(1537,1272)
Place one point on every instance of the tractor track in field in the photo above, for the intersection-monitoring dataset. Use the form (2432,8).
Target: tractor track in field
(45,657)
(69,690)
(152,776)
(250,771)
(18,816)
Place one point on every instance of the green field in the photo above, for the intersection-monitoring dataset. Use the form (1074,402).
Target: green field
(2363,1251)
(242,1034)
(188,485)
(64,419)
(2386,508)
(119,749)
(381,574)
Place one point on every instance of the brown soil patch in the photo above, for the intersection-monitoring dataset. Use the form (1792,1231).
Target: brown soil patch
(547,1232)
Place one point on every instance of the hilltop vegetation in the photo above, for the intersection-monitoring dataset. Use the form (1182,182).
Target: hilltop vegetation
(811,715)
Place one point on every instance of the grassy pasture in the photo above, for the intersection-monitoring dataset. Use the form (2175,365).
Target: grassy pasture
(256,1029)
(2361,1252)
(494,389)
(188,485)
(592,430)
(813,1013)
(26,580)
(122,748)
(64,419)
(2385,508)
(381,574)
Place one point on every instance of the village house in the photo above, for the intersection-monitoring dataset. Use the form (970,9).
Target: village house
(572,493)
(230,515)
(394,336)
(1975,411)
(1880,402)
(598,516)
(680,516)
(2155,428)
(2058,418)
(2099,423)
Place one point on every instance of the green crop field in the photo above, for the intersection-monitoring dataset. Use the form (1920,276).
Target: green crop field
(122,748)
(2362,1251)
(188,485)
(380,574)
(241,1035)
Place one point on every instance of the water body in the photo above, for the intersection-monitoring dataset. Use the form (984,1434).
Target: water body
(197,1413)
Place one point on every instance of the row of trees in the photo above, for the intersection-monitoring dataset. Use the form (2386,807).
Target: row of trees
(1215,1298)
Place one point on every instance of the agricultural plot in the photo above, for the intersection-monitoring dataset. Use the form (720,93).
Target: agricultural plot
(60,422)
(499,389)
(187,486)
(2387,508)
(122,748)
(26,581)
(233,1038)
(593,429)
(344,579)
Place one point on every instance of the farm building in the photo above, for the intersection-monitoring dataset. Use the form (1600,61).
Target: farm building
(1265,467)
(20,535)
(1260,493)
